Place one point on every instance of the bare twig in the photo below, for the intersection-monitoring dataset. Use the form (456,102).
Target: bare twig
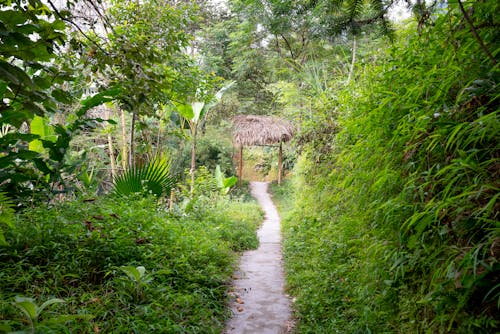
(56,11)
(103,17)
(475,34)
(288,45)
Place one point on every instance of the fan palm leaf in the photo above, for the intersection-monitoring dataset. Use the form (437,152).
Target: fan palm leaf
(151,178)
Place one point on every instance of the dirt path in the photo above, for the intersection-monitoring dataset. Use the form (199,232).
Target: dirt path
(260,305)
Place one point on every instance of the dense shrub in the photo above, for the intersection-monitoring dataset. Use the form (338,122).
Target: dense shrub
(397,208)
(87,251)
(213,148)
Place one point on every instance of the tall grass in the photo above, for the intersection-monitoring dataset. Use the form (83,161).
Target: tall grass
(398,210)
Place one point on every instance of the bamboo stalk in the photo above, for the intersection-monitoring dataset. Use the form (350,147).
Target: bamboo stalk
(124,141)
(193,164)
(172,197)
(112,158)
(131,142)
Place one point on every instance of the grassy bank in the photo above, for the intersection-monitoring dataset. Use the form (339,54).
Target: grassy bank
(394,226)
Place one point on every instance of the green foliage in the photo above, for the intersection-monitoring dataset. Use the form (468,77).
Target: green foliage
(34,90)
(396,205)
(151,178)
(6,215)
(224,183)
(32,311)
(93,253)
(136,274)
(139,277)
(213,148)
(30,86)
(142,53)
(41,127)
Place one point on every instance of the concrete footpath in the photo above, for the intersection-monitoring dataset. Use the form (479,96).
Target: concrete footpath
(260,305)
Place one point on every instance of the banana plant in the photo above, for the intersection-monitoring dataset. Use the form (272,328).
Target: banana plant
(193,113)
(224,183)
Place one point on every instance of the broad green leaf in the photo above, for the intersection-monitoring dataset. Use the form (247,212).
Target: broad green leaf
(42,82)
(32,108)
(106,96)
(40,126)
(134,273)
(13,18)
(14,74)
(185,110)
(198,111)
(36,146)
(3,88)
(27,305)
(62,96)
(48,303)
(230,181)
(223,183)
(15,116)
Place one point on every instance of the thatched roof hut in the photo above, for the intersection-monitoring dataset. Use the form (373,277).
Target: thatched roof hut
(256,130)
(251,130)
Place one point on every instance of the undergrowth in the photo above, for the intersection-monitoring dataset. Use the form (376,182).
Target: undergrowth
(394,227)
(124,265)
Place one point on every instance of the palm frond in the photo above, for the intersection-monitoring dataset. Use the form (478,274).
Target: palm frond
(151,178)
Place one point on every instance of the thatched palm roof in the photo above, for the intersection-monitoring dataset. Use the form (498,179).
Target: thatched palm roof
(249,130)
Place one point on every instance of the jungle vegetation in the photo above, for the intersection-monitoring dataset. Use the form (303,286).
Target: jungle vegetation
(116,210)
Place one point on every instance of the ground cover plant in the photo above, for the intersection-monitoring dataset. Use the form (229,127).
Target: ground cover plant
(397,206)
(123,265)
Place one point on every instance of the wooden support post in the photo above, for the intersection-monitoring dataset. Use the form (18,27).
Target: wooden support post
(240,165)
(172,198)
(280,163)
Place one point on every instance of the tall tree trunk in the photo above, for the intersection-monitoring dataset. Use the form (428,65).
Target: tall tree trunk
(353,61)
(193,159)
(112,158)
(131,142)
(124,141)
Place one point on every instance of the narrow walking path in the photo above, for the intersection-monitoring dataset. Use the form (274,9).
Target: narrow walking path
(260,305)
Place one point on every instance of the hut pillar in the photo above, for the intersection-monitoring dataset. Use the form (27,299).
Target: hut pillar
(280,163)
(240,165)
